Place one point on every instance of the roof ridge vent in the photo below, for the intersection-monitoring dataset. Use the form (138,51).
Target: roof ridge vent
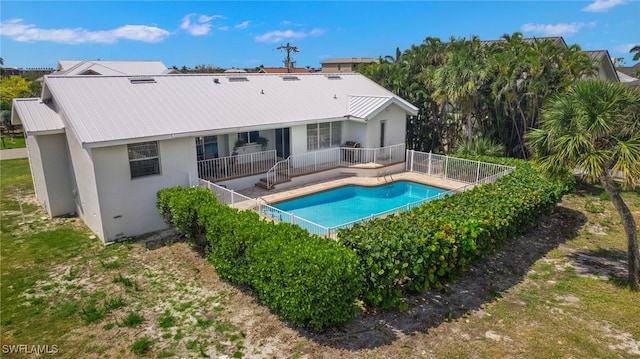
(334,77)
(290,78)
(142,80)
(238,79)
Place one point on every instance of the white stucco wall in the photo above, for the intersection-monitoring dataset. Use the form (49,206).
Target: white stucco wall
(37,172)
(354,131)
(395,129)
(128,205)
(298,139)
(55,163)
(83,184)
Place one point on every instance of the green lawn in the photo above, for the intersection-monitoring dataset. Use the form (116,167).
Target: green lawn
(9,142)
(60,287)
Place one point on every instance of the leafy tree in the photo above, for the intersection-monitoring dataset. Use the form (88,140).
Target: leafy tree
(15,87)
(595,128)
(466,88)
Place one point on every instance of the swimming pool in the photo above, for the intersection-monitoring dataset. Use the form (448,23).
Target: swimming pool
(352,203)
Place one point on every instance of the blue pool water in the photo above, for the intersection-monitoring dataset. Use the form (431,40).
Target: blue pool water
(351,203)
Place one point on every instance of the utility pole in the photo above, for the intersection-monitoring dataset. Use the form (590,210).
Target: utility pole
(288,62)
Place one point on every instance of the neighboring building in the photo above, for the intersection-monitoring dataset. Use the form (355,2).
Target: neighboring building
(603,61)
(284,70)
(31,72)
(349,64)
(111,68)
(102,146)
(628,80)
(606,69)
(630,70)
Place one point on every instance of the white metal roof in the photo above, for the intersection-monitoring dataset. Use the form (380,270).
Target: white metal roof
(36,116)
(103,109)
(366,106)
(110,68)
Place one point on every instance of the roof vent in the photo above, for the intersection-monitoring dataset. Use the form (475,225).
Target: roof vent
(142,80)
(238,79)
(290,78)
(334,77)
(216,80)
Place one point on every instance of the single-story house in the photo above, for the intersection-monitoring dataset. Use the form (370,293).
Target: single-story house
(102,146)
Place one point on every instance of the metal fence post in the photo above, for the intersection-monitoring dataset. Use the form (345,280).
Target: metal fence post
(429,165)
(478,172)
(446,166)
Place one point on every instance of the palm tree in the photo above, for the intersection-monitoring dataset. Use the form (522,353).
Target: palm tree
(595,128)
(636,52)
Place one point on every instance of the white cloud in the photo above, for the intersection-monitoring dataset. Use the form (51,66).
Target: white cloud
(602,5)
(242,25)
(201,25)
(624,48)
(278,35)
(555,29)
(223,28)
(17,30)
(288,23)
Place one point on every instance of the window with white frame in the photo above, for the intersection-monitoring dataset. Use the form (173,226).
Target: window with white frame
(323,135)
(249,137)
(143,159)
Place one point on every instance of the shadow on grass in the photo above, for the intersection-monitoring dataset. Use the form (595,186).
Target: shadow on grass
(481,283)
(606,263)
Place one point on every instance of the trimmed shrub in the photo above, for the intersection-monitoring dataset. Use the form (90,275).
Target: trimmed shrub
(306,279)
(431,244)
(182,207)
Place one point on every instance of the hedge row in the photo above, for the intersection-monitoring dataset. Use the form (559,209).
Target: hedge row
(306,279)
(429,245)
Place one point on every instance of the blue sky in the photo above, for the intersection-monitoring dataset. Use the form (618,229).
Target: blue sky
(246,34)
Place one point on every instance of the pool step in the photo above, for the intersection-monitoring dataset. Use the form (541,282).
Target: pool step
(263,182)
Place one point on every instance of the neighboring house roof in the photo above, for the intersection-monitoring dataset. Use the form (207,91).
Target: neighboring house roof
(37,117)
(628,80)
(558,40)
(103,110)
(606,64)
(629,70)
(111,68)
(283,70)
(350,60)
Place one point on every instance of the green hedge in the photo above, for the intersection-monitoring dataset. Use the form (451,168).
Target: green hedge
(430,245)
(306,279)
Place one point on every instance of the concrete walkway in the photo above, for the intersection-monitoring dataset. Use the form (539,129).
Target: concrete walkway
(13,153)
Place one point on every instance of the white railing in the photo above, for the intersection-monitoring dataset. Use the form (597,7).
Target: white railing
(461,170)
(227,196)
(287,217)
(217,169)
(323,160)
(457,169)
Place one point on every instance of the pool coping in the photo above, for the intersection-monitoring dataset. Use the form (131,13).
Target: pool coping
(364,181)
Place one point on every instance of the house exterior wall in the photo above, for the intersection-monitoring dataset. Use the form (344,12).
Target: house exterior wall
(298,139)
(83,182)
(354,131)
(49,155)
(129,205)
(37,172)
(395,128)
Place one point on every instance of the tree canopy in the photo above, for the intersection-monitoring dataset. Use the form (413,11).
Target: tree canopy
(467,89)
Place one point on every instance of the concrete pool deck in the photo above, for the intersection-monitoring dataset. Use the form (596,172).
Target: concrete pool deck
(275,195)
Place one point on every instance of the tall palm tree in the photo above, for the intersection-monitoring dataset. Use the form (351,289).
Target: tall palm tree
(595,128)
(636,52)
